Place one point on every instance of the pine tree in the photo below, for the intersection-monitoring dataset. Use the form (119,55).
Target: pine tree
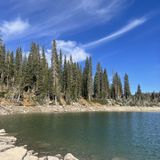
(71,80)
(2,64)
(44,72)
(60,70)
(105,85)
(68,83)
(42,77)
(87,79)
(117,91)
(79,81)
(9,69)
(120,91)
(65,76)
(75,81)
(25,74)
(139,92)
(55,73)
(18,66)
(97,82)
(33,67)
(127,92)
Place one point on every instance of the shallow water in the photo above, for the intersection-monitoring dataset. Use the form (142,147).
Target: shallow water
(89,136)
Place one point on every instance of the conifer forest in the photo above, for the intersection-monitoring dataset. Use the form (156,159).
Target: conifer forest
(63,80)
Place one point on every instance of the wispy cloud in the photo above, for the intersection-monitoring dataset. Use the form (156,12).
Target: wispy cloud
(13,28)
(130,26)
(48,19)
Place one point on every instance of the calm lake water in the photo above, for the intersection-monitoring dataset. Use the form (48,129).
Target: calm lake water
(89,136)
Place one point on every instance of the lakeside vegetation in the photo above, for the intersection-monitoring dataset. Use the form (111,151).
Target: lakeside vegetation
(31,78)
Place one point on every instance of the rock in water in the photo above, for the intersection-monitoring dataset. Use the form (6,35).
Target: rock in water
(59,156)
(2,131)
(69,156)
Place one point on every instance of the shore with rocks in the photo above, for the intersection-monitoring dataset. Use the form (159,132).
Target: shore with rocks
(9,150)
(11,109)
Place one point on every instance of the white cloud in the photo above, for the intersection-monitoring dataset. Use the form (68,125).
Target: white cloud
(13,28)
(69,48)
(77,14)
(72,48)
(130,26)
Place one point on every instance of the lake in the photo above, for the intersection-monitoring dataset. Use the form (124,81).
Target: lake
(89,136)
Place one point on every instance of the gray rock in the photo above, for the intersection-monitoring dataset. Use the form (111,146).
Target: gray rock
(30,152)
(35,154)
(25,146)
(69,156)
(59,156)
(52,158)
(2,132)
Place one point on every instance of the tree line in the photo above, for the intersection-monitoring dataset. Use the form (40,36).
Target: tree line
(63,79)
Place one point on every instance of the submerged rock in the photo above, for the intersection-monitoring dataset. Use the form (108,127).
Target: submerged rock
(8,151)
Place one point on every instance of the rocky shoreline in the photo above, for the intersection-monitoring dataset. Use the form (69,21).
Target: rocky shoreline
(12,109)
(9,150)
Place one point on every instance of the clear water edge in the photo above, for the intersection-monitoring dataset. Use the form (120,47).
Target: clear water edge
(89,136)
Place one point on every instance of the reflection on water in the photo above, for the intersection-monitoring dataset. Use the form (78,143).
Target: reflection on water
(94,136)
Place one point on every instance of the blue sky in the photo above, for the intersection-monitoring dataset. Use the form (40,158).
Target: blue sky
(124,35)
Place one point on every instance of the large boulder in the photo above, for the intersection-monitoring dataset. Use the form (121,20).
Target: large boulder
(69,156)
(17,153)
